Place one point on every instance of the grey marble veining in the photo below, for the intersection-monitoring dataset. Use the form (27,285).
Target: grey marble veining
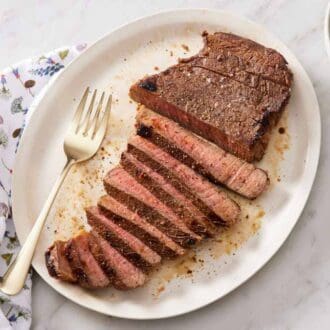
(293,290)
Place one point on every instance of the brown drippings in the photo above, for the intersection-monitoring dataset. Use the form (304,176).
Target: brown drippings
(156,68)
(233,238)
(281,130)
(185,47)
(160,289)
(180,267)
(226,243)
(278,145)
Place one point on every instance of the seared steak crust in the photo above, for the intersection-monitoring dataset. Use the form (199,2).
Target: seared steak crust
(57,263)
(231,93)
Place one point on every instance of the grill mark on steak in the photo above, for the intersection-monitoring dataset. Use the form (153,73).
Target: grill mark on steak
(132,167)
(225,208)
(139,227)
(207,159)
(126,244)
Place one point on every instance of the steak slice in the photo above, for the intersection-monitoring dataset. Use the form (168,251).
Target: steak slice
(165,192)
(205,158)
(57,263)
(98,254)
(118,180)
(139,227)
(231,93)
(126,244)
(127,276)
(84,266)
(222,209)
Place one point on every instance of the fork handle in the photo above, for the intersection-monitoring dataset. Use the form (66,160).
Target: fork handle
(13,280)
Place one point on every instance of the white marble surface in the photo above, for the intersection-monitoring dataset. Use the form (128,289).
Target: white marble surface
(293,290)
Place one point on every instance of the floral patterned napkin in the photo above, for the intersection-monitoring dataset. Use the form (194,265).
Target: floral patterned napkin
(19,85)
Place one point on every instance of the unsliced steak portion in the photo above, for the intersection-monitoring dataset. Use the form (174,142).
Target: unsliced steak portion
(84,266)
(165,192)
(126,244)
(127,276)
(139,227)
(57,263)
(205,158)
(223,209)
(231,93)
(120,185)
(243,59)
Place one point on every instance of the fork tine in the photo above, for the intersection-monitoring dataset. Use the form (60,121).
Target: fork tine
(101,129)
(80,109)
(86,122)
(96,117)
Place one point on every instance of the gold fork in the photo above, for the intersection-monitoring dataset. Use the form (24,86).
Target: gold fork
(81,143)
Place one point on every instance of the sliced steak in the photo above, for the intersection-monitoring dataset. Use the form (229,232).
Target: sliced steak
(128,245)
(127,276)
(204,157)
(119,180)
(223,209)
(231,93)
(173,180)
(84,266)
(139,227)
(151,215)
(57,263)
(165,192)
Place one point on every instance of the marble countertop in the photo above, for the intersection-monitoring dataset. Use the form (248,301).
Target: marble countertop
(293,290)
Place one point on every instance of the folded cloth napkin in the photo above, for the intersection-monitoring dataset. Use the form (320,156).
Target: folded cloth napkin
(19,85)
